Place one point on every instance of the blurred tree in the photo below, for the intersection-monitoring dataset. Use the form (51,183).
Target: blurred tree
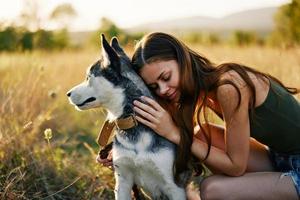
(109,28)
(43,39)
(211,39)
(8,39)
(61,39)
(206,38)
(242,38)
(63,15)
(193,37)
(287,25)
(26,40)
(30,16)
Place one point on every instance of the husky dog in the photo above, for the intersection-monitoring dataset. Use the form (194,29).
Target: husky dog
(140,156)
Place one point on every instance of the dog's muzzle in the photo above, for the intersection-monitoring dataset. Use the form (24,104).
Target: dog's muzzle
(86,101)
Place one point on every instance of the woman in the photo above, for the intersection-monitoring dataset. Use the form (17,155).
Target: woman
(252,105)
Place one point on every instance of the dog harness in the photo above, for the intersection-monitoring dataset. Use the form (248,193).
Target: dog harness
(108,127)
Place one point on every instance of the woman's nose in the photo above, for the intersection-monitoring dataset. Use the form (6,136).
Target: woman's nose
(163,88)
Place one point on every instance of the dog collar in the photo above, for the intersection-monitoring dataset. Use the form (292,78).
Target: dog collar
(108,127)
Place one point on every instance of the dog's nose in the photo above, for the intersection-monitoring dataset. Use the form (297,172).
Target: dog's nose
(68,94)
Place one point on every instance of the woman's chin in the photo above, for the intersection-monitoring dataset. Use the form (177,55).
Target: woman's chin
(175,100)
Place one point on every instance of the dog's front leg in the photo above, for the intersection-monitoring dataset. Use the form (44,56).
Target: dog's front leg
(124,183)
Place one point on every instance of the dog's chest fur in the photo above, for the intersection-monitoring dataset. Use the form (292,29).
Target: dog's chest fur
(149,167)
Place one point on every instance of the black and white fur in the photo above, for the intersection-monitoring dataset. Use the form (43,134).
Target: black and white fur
(140,156)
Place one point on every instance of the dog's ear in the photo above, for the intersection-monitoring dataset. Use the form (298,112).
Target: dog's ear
(109,56)
(116,46)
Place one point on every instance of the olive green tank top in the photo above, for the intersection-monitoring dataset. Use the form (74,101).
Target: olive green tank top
(276,122)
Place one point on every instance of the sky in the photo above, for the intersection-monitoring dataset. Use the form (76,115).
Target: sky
(129,13)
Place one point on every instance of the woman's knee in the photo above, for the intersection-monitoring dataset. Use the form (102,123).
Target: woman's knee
(212,187)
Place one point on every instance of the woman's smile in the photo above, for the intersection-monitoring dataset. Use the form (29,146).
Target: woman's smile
(172,96)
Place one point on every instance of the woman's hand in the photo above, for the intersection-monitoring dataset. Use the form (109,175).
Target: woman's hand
(154,116)
(107,162)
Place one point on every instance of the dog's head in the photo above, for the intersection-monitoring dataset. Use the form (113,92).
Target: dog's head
(106,81)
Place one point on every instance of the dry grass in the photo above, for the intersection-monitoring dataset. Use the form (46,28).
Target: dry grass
(32,96)
(32,99)
(281,63)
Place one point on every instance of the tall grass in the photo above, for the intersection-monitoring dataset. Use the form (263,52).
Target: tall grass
(281,63)
(32,96)
(32,99)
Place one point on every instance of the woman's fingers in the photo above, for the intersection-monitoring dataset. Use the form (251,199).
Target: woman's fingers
(105,162)
(145,115)
(108,164)
(145,122)
(100,161)
(152,102)
(145,107)
(109,157)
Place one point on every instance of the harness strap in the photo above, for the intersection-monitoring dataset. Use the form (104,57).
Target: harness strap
(108,127)
(105,133)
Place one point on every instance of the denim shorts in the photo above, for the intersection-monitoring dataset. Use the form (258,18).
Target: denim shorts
(289,165)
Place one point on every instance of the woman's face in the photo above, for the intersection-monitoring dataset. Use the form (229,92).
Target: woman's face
(163,78)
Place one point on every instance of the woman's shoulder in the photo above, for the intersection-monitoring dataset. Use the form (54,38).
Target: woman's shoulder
(261,85)
(234,77)
(230,90)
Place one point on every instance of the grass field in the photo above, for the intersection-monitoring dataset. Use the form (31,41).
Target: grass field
(62,166)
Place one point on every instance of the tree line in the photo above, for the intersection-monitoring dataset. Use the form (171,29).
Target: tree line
(15,39)
(30,35)
(27,32)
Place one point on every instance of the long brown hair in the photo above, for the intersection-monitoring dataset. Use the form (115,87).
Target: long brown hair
(197,75)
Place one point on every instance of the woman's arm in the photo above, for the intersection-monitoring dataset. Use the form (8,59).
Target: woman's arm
(237,129)
(231,161)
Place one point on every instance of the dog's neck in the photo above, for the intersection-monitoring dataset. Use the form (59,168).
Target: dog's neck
(123,106)
(126,107)
(113,116)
